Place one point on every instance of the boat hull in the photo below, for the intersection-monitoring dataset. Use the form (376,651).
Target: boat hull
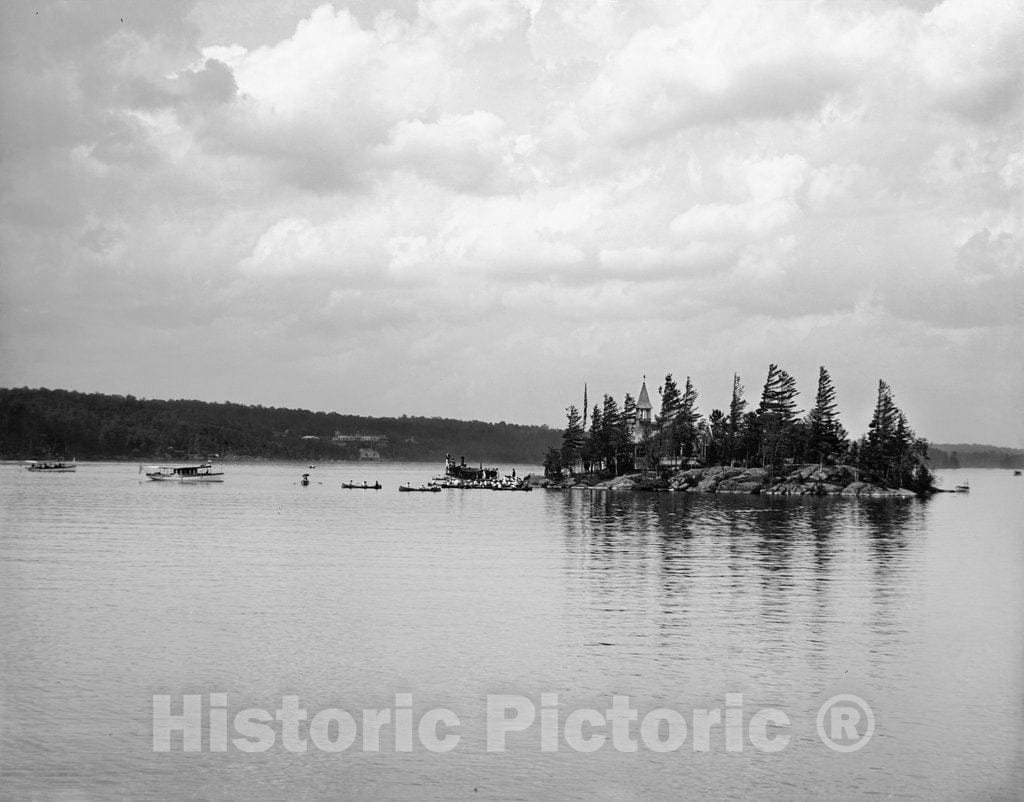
(185,474)
(213,477)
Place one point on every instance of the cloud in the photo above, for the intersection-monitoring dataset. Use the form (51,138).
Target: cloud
(468,152)
(317,104)
(485,190)
(705,73)
(471,23)
(970,58)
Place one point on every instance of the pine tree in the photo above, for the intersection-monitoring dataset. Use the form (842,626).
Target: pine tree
(750,435)
(572,438)
(778,414)
(891,449)
(717,424)
(611,436)
(553,464)
(593,451)
(626,439)
(671,401)
(826,435)
(878,450)
(629,412)
(734,421)
(686,420)
(779,395)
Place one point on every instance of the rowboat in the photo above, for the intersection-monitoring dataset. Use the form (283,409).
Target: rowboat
(203,472)
(363,486)
(420,489)
(964,488)
(50,466)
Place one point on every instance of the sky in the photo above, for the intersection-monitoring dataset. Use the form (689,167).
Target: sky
(470,208)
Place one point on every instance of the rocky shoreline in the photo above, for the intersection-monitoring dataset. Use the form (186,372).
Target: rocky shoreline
(793,480)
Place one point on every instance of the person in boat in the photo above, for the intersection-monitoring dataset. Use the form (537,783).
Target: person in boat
(364,483)
(376,485)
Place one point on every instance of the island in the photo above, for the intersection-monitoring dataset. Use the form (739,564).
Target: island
(772,449)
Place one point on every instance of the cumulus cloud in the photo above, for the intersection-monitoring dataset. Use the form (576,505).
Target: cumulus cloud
(469,152)
(489,190)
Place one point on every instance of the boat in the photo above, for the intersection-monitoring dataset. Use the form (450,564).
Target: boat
(420,489)
(203,472)
(964,488)
(1016,473)
(446,483)
(363,486)
(467,473)
(304,481)
(50,466)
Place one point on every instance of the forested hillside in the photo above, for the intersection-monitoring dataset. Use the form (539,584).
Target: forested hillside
(973,455)
(62,423)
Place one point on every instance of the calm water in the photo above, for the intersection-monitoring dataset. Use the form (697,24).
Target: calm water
(114,590)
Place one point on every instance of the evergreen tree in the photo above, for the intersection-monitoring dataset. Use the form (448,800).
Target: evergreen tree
(629,413)
(626,439)
(734,421)
(779,395)
(878,446)
(719,437)
(891,449)
(553,464)
(572,438)
(612,432)
(750,435)
(778,414)
(825,434)
(671,401)
(593,450)
(686,421)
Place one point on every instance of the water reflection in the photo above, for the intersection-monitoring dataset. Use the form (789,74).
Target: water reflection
(739,570)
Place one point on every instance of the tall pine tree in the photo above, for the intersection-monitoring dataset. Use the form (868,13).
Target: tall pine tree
(891,449)
(778,415)
(671,401)
(572,438)
(734,422)
(686,421)
(593,450)
(611,437)
(627,428)
(825,434)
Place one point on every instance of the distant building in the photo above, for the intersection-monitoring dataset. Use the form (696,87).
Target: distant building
(367,439)
(647,455)
(310,437)
(644,424)
(369,454)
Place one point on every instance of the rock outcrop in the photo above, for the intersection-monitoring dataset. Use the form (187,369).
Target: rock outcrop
(793,480)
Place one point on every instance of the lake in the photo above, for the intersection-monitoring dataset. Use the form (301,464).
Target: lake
(724,627)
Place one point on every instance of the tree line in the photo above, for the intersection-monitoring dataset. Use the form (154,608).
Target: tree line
(972,455)
(773,434)
(39,423)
